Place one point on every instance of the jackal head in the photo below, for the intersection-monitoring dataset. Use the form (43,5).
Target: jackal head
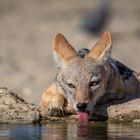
(82,80)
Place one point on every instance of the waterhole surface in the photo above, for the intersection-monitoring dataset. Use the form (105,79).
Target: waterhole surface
(70,131)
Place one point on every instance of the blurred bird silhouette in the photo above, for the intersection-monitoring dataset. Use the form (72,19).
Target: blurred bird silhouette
(95,21)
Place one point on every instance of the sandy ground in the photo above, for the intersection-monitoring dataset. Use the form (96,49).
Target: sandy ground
(27,29)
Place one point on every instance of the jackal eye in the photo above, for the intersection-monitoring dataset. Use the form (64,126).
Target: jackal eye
(93,83)
(70,85)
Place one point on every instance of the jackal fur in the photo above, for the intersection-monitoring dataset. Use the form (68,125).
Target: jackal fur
(88,78)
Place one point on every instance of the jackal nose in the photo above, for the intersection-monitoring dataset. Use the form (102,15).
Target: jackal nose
(81,106)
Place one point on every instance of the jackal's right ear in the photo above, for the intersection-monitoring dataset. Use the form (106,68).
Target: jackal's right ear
(102,49)
(62,50)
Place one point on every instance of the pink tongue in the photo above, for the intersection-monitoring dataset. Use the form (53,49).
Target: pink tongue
(83,116)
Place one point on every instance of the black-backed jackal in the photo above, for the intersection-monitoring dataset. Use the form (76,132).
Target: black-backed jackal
(87,78)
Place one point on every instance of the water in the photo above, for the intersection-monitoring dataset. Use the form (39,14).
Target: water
(70,131)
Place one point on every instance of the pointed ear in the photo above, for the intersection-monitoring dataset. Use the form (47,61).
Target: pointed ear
(102,49)
(63,51)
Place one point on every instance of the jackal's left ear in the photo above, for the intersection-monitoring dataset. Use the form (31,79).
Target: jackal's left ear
(63,51)
(102,49)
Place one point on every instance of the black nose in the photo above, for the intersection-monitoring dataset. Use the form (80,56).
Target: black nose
(81,106)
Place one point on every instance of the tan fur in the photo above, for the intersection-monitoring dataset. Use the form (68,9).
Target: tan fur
(52,100)
(49,97)
(104,43)
(94,79)
(63,48)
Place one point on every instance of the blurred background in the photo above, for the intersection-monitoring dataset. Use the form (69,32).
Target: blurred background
(27,29)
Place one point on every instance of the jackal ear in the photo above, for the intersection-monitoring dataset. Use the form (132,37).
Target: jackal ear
(62,50)
(102,49)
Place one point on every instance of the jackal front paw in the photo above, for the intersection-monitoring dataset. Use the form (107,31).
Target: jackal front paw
(56,112)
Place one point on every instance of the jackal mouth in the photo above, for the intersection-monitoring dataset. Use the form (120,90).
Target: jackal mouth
(83,116)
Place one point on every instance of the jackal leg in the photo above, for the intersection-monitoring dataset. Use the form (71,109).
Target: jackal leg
(137,75)
(54,103)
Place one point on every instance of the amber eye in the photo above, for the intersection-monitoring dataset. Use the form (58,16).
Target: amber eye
(93,83)
(70,85)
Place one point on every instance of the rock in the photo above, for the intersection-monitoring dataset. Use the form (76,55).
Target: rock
(126,110)
(14,109)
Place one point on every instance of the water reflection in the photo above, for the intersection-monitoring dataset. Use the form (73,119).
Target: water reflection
(70,131)
(97,132)
(20,132)
(74,131)
(124,132)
